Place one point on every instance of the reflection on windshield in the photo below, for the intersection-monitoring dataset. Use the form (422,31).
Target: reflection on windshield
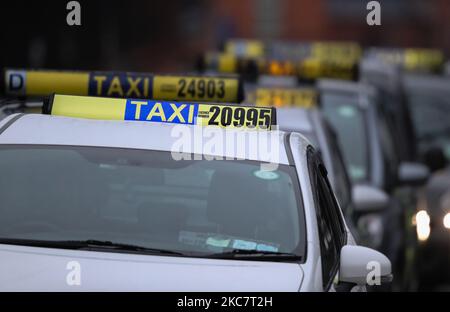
(145,198)
(431,116)
(348,122)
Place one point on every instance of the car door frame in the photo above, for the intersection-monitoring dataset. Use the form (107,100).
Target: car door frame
(332,213)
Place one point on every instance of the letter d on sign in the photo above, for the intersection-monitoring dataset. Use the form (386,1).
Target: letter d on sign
(74,16)
(15,82)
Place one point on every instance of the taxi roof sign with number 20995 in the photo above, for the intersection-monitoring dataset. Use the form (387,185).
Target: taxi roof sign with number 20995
(189,113)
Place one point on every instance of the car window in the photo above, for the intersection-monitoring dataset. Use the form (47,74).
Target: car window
(338,225)
(390,153)
(399,117)
(347,119)
(431,115)
(148,199)
(330,224)
(342,185)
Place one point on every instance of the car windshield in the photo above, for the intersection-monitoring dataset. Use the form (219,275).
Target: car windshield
(347,119)
(146,198)
(431,115)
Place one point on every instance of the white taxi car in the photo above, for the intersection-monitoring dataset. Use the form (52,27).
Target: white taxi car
(126,195)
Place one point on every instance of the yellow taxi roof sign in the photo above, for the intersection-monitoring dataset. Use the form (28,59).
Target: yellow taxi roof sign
(189,113)
(283,97)
(348,50)
(316,68)
(123,85)
(309,68)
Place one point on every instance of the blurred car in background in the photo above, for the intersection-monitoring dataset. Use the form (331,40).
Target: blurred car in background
(428,97)
(432,222)
(413,77)
(368,145)
(378,216)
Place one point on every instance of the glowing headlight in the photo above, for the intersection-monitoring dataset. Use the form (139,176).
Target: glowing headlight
(447,220)
(422,225)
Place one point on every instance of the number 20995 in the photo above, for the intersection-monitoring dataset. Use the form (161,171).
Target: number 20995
(239,117)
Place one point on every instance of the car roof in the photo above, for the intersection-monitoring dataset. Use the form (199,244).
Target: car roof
(353,87)
(380,74)
(57,130)
(295,119)
(361,90)
(426,82)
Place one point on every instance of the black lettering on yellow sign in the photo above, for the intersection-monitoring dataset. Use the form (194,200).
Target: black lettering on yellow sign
(132,85)
(120,85)
(184,88)
(201,88)
(240,117)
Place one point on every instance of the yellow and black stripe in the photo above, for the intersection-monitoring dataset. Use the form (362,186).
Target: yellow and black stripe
(31,83)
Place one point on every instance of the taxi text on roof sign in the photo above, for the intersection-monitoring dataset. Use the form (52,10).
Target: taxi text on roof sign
(124,85)
(221,115)
(283,97)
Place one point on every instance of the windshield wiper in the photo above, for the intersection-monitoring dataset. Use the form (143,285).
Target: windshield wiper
(251,254)
(89,244)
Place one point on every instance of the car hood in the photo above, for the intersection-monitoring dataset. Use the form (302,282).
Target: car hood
(47,269)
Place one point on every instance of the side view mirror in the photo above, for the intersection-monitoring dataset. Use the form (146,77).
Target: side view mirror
(368,198)
(361,265)
(412,173)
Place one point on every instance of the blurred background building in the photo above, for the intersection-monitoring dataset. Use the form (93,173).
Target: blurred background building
(167,35)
